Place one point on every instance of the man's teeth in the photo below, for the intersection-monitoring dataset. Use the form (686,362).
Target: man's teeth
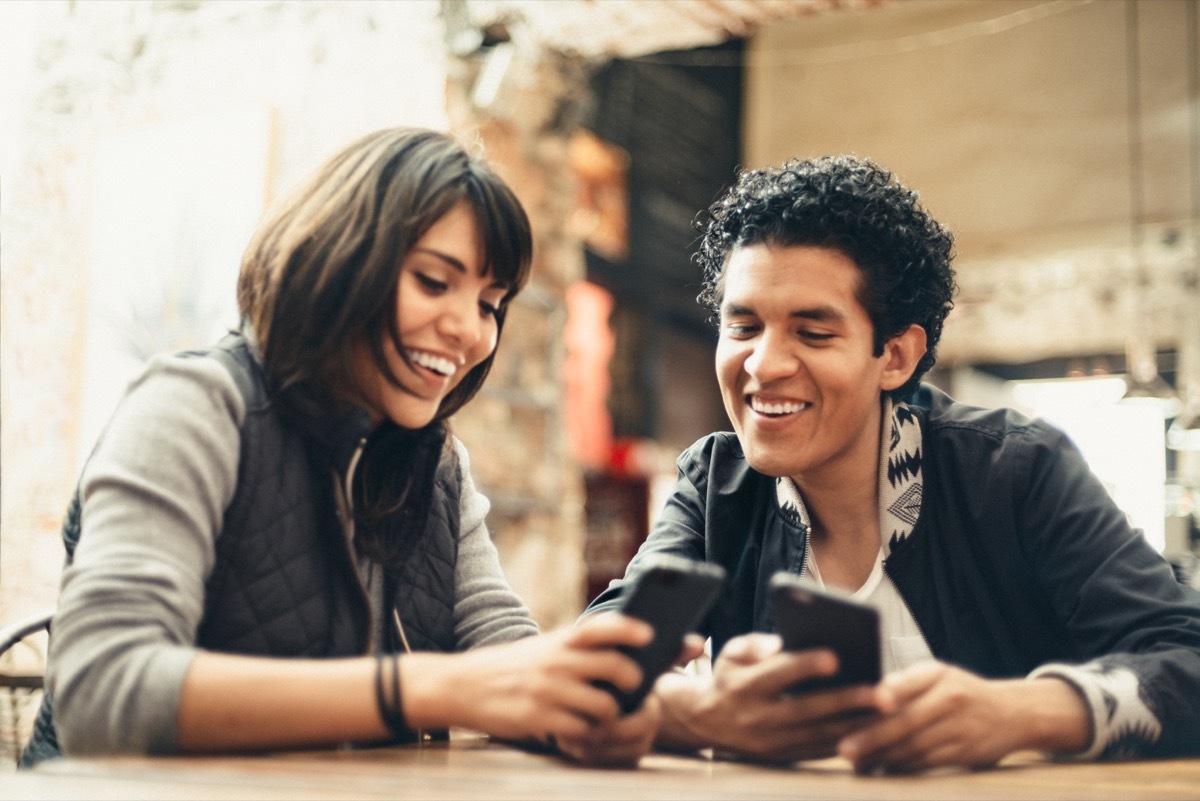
(435,363)
(763,407)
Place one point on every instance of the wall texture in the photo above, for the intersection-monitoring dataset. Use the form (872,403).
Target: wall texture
(309,77)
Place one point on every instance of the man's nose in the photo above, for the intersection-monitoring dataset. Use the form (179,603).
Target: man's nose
(771,358)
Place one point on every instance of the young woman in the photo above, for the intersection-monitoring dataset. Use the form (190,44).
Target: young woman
(276,543)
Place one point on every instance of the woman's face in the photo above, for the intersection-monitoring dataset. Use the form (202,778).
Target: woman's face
(446,314)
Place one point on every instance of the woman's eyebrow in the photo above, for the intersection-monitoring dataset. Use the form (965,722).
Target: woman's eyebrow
(446,257)
(459,266)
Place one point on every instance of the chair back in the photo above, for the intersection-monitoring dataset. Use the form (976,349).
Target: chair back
(23,651)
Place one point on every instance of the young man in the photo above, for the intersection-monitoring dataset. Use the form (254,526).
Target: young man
(1019,608)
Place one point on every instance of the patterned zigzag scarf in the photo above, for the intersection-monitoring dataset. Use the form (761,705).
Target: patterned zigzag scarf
(900,480)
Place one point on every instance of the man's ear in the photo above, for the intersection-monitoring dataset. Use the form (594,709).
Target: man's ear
(901,354)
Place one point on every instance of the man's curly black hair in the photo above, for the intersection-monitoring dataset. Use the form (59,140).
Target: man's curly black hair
(860,209)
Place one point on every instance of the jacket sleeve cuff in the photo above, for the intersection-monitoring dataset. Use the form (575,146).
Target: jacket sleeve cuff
(1120,719)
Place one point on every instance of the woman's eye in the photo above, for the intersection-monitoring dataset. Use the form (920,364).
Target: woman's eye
(488,309)
(432,284)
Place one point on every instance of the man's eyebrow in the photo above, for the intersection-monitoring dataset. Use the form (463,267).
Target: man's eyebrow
(818,313)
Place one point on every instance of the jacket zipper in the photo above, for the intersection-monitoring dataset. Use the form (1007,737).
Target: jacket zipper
(904,601)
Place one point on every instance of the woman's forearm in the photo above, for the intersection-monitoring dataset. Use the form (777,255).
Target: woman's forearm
(231,702)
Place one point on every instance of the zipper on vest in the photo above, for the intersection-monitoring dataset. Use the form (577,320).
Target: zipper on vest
(344,497)
(347,494)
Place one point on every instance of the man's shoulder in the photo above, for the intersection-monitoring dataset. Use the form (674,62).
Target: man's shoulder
(718,447)
(718,459)
(980,428)
(723,442)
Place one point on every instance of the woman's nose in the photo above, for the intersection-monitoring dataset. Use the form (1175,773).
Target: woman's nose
(463,322)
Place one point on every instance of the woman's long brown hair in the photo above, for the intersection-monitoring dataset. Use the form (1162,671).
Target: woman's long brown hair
(322,272)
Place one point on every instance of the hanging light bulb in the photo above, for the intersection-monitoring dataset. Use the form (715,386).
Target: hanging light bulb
(1143,384)
(1184,433)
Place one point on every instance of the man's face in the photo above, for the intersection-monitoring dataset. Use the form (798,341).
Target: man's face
(795,364)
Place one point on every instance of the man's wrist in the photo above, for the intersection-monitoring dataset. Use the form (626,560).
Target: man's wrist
(1058,716)
(679,695)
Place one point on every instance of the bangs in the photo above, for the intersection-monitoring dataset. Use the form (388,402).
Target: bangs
(504,231)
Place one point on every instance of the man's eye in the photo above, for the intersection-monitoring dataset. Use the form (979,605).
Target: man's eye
(814,336)
(739,329)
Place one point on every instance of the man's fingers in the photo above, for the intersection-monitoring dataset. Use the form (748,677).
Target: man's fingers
(693,647)
(750,648)
(907,684)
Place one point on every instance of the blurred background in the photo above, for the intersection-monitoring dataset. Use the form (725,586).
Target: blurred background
(140,142)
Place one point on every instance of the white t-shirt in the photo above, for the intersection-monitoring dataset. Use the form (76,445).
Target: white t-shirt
(900,639)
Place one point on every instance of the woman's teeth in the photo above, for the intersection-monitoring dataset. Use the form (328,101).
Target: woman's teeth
(435,363)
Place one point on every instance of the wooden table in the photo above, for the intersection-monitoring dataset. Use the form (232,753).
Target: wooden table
(472,767)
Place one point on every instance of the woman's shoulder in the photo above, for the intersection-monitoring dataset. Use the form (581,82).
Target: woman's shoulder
(194,381)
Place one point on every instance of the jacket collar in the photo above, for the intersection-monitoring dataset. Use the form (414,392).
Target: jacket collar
(900,480)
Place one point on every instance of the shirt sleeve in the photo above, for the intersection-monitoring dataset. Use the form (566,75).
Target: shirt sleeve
(1114,704)
(486,610)
(153,495)
(1132,629)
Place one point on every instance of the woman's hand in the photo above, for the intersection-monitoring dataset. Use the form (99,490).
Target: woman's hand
(630,737)
(540,687)
(620,742)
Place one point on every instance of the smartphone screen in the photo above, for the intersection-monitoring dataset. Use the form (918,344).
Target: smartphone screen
(673,595)
(810,616)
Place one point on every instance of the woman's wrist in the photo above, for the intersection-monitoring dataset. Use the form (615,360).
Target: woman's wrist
(389,697)
(430,690)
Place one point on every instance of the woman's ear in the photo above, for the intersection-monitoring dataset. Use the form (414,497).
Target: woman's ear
(901,354)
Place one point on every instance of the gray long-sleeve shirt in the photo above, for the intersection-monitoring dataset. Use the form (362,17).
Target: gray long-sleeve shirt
(154,493)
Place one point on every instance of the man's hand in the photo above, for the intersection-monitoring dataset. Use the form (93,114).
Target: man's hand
(744,708)
(946,716)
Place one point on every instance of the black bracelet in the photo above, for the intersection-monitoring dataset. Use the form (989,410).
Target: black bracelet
(390,710)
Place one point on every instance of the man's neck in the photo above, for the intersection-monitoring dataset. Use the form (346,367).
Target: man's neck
(843,508)
(844,537)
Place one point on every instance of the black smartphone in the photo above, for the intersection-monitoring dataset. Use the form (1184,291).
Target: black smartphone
(673,594)
(808,615)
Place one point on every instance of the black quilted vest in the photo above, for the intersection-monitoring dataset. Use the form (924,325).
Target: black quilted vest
(285,581)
